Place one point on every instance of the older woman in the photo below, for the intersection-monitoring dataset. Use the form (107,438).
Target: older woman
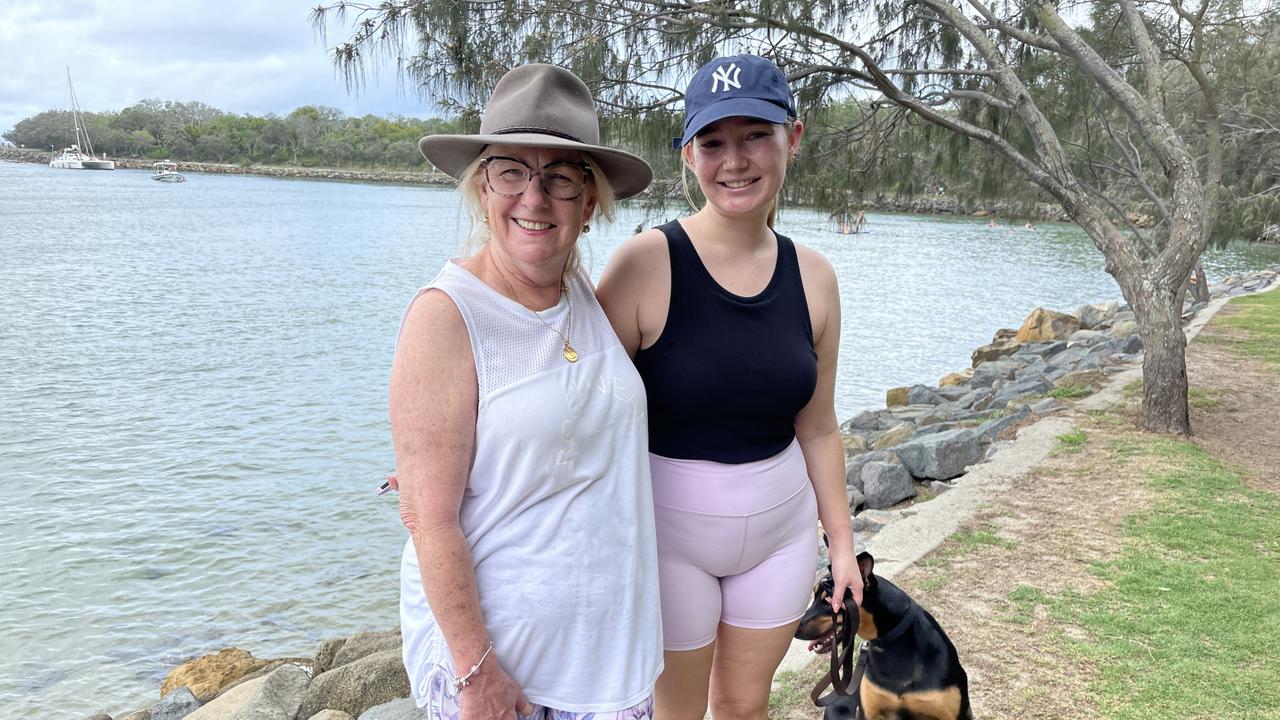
(528,584)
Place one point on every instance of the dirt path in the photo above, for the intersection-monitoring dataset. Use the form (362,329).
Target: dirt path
(1041,537)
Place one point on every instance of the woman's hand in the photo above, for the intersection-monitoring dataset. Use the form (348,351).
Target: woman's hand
(492,695)
(846,575)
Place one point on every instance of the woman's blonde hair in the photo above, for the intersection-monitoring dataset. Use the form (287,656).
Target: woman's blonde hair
(478,232)
(789,124)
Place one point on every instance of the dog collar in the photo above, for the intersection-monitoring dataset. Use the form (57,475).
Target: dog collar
(898,629)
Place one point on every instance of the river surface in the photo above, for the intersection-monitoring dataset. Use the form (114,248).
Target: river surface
(193,399)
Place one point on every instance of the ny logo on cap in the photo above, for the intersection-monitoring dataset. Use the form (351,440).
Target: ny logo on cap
(726,78)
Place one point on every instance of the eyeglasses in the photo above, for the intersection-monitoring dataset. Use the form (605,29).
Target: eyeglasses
(560,180)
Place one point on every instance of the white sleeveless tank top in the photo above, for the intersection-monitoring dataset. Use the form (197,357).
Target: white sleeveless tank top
(558,510)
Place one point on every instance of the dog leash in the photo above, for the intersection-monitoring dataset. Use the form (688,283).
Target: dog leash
(845,672)
(845,678)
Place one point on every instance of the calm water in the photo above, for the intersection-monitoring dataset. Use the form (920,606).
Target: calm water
(192,400)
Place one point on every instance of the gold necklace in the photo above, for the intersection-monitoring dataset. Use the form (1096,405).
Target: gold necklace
(569,353)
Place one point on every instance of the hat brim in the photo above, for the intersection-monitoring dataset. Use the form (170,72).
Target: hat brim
(733,107)
(628,174)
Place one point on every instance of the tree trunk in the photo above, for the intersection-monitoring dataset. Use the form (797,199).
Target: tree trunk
(1158,311)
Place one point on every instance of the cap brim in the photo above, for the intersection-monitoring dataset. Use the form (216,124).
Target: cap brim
(628,174)
(733,107)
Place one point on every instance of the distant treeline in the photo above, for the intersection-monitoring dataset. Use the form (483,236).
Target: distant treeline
(309,136)
(848,160)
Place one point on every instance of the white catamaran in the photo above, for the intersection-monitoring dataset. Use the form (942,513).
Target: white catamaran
(79,156)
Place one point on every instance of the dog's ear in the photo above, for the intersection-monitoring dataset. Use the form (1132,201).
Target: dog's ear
(866,565)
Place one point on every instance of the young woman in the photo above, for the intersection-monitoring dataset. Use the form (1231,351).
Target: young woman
(735,331)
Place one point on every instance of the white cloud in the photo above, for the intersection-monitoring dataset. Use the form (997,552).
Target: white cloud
(243,57)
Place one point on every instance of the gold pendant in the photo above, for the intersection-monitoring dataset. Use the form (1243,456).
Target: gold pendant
(570,354)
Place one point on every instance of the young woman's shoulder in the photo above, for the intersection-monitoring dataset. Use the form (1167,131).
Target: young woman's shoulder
(636,260)
(644,247)
(814,266)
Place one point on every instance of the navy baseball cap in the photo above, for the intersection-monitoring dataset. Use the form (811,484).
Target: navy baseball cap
(735,86)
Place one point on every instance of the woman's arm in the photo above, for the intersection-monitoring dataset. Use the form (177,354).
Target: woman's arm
(433,399)
(635,290)
(818,431)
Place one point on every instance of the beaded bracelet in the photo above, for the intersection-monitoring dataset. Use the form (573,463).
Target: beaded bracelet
(465,680)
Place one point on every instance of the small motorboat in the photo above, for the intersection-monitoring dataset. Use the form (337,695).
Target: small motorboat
(167,172)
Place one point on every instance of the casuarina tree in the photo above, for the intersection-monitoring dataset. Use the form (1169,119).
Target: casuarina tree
(1076,98)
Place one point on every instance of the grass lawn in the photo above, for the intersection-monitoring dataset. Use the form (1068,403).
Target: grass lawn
(1254,330)
(1131,576)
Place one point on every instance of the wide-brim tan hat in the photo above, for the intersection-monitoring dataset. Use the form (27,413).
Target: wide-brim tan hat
(540,106)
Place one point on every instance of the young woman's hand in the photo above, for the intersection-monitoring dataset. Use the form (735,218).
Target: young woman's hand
(846,576)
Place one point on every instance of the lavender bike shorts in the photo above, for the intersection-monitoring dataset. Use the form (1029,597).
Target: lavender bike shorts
(736,544)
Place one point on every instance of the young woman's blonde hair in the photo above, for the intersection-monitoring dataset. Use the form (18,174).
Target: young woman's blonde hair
(789,125)
(478,232)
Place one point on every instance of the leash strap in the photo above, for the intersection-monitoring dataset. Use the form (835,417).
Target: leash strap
(845,677)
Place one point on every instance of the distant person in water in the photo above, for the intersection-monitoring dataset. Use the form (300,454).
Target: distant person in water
(858,221)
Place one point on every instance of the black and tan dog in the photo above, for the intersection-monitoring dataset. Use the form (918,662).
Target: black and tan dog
(912,670)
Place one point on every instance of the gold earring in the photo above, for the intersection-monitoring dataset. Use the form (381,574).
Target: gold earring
(585,228)
(484,217)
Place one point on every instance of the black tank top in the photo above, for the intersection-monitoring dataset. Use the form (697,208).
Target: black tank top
(728,374)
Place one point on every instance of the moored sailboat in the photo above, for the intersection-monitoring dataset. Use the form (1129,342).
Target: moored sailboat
(79,155)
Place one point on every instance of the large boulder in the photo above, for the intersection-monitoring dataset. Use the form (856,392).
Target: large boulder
(1093,316)
(895,435)
(402,709)
(1034,387)
(323,661)
(339,715)
(1046,325)
(365,644)
(1079,379)
(143,714)
(854,443)
(951,393)
(228,702)
(1086,337)
(923,395)
(956,378)
(865,420)
(943,413)
(990,373)
(994,351)
(977,399)
(990,431)
(853,468)
(208,674)
(897,396)
(1124,327)
(886,484)
(1044,350)
(175,705)
(941,456)
(1126,345)
(358,686)
(278,697)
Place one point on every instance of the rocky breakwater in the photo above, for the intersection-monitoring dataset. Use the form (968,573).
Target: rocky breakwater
(928,436)
(357,678)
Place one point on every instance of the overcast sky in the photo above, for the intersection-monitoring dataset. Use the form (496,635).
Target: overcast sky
(240,56)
